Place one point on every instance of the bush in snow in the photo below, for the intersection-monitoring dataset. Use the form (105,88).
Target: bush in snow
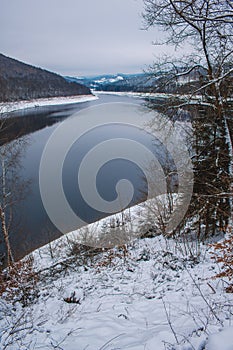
(18,283)
(223,253)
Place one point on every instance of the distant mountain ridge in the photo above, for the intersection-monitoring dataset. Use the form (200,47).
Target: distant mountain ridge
(138,82)
(20,81)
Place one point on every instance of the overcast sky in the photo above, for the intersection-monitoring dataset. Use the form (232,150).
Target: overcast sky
(77,37)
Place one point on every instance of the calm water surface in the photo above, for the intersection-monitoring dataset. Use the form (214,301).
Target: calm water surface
(32,227)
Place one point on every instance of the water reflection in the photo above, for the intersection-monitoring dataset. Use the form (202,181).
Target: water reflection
(30,225)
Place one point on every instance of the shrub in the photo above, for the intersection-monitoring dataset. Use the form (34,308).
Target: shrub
(223,254)
(18,283)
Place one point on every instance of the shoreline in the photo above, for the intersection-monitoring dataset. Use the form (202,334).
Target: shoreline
(144,95)
(7,107)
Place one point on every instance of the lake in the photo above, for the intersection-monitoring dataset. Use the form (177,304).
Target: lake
(32,227)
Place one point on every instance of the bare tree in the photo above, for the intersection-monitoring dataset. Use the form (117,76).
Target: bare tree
(207,25)
(203,83)
(12,188)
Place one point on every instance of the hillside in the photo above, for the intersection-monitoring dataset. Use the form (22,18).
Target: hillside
(140,82)
(20,81)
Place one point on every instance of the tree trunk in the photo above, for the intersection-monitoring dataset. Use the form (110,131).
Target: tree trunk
(10,258)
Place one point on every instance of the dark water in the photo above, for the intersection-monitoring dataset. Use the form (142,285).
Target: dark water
(32,227)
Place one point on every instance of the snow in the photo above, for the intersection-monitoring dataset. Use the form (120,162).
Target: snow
(222,340)
(109,80)
(132,94)
(53,101)
(151,296)
(144,95)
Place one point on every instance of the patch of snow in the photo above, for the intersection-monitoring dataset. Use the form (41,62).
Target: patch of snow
(221,341)
(186,79)
(147,94)
(53,101)
(152,296)
(105,80)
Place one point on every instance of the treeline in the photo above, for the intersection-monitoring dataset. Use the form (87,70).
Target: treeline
(19,81)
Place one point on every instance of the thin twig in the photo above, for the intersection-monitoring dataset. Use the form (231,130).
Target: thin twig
(169,322)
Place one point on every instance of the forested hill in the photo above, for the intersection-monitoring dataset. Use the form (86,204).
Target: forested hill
(20,81)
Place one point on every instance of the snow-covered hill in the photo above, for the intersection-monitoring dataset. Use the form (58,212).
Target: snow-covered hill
(151,294)
(117,82)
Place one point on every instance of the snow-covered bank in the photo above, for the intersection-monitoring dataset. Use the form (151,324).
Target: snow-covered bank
(53,101)
(148,295)
(144,95)
(132,94)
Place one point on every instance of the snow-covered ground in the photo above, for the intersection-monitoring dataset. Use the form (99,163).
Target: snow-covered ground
(53,101)
(148,295)
(147,94)
(109,80)
(132,94)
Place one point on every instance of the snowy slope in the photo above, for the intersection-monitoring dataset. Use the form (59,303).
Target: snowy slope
(52,101)
(150,295)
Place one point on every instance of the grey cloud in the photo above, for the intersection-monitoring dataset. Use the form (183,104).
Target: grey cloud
(76,36)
